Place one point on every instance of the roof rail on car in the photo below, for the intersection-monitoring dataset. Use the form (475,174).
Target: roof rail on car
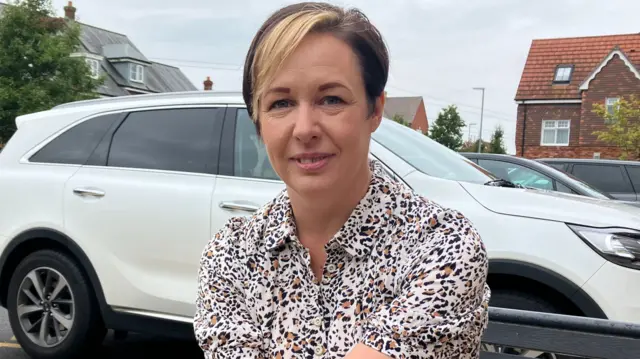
(153,96)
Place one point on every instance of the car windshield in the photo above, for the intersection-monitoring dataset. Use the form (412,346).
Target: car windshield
(593,192)
(428,156)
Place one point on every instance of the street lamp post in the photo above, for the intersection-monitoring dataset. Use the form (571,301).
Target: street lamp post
(481,115)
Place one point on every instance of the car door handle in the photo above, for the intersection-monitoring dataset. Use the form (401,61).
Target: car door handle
(93,192)
(239,206)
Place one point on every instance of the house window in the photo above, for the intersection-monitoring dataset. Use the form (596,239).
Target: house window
(94,67)
(136,73)
(555,133)
(611,102)
(563,74)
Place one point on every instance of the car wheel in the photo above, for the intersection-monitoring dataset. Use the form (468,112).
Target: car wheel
(522,301)
(52,310)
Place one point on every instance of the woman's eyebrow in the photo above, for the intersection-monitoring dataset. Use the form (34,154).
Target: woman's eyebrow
(279,90)
(330,85)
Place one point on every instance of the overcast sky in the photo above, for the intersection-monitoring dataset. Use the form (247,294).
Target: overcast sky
(440,49)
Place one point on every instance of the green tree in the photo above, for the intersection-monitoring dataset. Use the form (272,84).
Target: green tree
(447,129)
(496,145)
(622,126)
(37,71)
(400,119)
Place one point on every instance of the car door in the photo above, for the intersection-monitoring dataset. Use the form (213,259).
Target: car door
(246,179)
(141,207)
(610,178)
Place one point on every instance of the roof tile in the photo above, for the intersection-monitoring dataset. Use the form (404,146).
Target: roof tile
(585,53)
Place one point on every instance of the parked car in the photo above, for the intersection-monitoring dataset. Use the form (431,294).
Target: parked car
(107,205)
(620,179)
(534,174)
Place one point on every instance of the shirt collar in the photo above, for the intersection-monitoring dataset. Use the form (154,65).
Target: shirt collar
(357,236)
(281,226)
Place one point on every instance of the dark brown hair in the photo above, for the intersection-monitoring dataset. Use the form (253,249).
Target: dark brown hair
(293,22)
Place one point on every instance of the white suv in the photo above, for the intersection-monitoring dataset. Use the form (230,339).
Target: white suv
(106,206)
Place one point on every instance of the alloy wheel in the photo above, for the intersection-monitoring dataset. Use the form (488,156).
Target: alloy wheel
(45,307)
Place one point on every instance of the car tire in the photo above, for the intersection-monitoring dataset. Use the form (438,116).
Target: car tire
(512,299)
(521,301)
(65,303)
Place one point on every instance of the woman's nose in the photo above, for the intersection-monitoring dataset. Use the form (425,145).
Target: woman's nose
(306,123)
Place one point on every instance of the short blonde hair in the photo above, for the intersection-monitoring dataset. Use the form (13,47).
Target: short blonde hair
(281,34)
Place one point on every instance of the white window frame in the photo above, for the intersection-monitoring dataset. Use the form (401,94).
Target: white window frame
(91,59)
(567,71)
(556,128)
(94,66)
(609,104)
(136,72)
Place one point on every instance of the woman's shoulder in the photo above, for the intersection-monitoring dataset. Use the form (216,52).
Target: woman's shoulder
(420,217)
(403,200)
(427,228)
(432,213)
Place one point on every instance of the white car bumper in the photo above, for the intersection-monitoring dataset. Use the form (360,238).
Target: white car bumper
(616,290)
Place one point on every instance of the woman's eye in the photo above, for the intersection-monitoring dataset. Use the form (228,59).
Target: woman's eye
(332,100)
(279,104)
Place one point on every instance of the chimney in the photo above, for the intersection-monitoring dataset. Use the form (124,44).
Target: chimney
(70,11)
(208,84)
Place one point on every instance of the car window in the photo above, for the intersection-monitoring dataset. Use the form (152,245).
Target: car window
(428,156)
(608,178)
(517,174)
(587,189)
(171,140)
(74,146)
(634,173)
(250,155)
(562,188)
(557,165)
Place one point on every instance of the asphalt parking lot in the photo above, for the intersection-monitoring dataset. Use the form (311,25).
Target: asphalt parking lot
(133,347)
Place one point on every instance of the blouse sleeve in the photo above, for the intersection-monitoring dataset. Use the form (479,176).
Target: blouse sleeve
(441,309)
(223,325)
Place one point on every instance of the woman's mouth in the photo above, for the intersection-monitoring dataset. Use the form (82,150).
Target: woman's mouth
(312,162)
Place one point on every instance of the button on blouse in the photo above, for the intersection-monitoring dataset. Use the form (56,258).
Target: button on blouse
(404,276)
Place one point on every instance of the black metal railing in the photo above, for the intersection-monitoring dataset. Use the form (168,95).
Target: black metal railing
(560,334)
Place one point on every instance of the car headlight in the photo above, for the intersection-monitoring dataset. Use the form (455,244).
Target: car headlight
(619,245)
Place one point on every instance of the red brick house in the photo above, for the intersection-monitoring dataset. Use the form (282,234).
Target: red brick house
(411,109)
(561,81)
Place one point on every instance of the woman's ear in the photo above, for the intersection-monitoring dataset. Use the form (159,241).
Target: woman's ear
(378,110)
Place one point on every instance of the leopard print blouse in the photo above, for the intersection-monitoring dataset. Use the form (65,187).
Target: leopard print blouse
(403,275)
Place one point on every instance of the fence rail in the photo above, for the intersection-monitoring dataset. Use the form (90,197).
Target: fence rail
(560,334)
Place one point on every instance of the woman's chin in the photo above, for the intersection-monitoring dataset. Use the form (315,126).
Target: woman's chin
(311,185)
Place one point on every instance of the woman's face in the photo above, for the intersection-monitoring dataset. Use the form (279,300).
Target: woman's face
(315,120)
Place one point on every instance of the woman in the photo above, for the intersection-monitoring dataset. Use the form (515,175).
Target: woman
(344,263)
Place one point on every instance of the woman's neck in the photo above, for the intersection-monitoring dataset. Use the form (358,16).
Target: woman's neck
(320,217)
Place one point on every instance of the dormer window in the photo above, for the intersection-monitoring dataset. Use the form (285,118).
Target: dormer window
(136,73)
(563,74)
(127,60)
(94,67)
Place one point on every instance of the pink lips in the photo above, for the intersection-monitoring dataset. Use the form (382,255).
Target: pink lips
(312,161)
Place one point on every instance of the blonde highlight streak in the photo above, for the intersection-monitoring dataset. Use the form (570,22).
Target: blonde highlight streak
(281,41)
